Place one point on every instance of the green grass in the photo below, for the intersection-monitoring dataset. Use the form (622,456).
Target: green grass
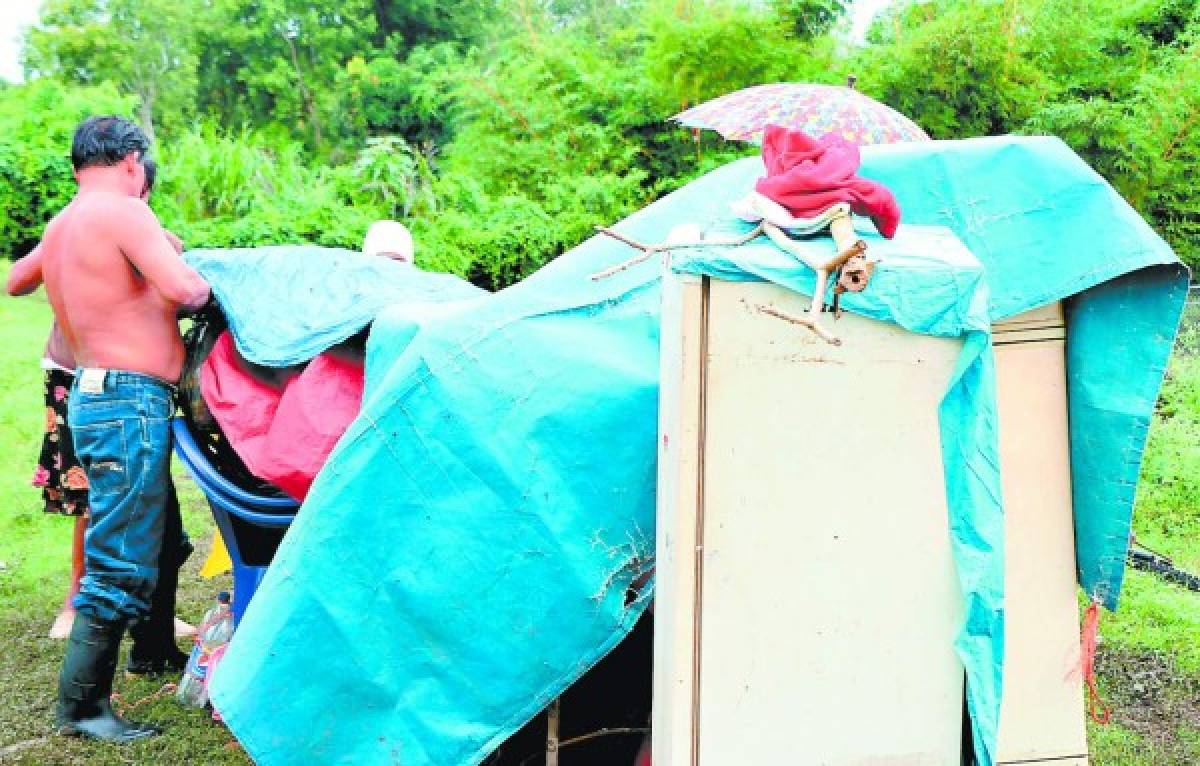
(28,543)
(1149,663)
(1150,656)
(1122,746)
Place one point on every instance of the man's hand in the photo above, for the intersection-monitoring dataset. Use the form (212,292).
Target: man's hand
(207,311)
(26,274)
(175,241)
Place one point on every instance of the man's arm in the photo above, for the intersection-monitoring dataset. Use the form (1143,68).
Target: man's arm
(26,274)
(144,243)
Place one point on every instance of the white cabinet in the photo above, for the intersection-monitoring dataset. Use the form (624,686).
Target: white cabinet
(807,603)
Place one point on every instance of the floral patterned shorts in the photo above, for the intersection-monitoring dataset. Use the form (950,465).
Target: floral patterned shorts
(63,481)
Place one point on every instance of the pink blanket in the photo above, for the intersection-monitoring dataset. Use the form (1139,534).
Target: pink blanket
(808,176)
(283,434)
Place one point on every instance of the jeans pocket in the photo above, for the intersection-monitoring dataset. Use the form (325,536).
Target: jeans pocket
(159,407)
(103,451)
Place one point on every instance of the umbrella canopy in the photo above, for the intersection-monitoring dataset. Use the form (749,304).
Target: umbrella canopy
(815,109)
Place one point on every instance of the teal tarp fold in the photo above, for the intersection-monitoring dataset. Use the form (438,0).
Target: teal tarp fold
(466,553)
(286,304)
(1047,227)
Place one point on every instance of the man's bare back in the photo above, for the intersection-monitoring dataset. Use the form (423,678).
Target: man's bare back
(116,284)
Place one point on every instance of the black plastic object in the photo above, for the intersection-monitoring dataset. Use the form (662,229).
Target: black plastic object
(1164,568)
(206,326)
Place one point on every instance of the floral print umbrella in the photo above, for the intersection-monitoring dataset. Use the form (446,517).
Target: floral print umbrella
(815,109)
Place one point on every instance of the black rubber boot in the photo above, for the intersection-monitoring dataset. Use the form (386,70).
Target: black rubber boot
(170,661)
(85,684)
(154,649)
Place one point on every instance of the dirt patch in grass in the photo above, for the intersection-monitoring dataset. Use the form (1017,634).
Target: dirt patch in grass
(1152,697)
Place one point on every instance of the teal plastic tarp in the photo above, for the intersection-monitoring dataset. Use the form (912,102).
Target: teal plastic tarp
(467,551)
(286,304)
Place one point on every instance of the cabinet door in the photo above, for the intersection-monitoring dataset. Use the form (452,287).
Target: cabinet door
(828,604)
(679,413)
(1042,714)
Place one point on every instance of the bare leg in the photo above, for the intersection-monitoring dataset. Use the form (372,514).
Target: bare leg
(77,565)
(66,616)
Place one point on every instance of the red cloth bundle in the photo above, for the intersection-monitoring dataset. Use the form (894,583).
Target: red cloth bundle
(808,176)
(282,434)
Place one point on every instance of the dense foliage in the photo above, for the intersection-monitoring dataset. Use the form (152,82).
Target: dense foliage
(502,131)
(1118,81)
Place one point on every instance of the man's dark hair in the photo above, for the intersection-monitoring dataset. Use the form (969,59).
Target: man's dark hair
(106,140)
(151,173)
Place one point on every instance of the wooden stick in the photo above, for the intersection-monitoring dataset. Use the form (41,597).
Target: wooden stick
(634,261)
(647,252)
(817,307)
(552,745)
(601,733)
(631,242)
(663,247)
(803,321)
(736,242)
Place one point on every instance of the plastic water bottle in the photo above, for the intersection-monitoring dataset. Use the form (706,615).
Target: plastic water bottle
(215,631)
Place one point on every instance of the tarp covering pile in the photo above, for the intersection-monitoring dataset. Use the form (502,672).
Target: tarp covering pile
(467,551)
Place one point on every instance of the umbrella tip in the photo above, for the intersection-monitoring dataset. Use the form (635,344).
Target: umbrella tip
(851,80)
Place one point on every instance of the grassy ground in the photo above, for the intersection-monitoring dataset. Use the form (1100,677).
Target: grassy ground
(1150,656)
(1149,660)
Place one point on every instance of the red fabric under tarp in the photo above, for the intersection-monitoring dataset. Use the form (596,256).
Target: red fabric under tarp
(808,176)
(283,434)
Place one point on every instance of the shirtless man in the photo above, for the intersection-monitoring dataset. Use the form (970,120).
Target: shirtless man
(64,489)
(116,286)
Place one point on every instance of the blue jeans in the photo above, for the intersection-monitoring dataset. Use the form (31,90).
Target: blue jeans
(123,441)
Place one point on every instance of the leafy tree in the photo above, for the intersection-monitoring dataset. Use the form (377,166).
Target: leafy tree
(142,46)
(243,189)
(706,48)
(808,19)
(1115,81)
(539,129)
(397,174)
(276,62)
(503,131)
(1164,135)
(957,73)
(412,97)
(405,24)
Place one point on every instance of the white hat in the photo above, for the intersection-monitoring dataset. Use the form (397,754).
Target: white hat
(390,239)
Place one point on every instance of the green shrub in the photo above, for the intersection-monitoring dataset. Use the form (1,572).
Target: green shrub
(36,124)
(241,190)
